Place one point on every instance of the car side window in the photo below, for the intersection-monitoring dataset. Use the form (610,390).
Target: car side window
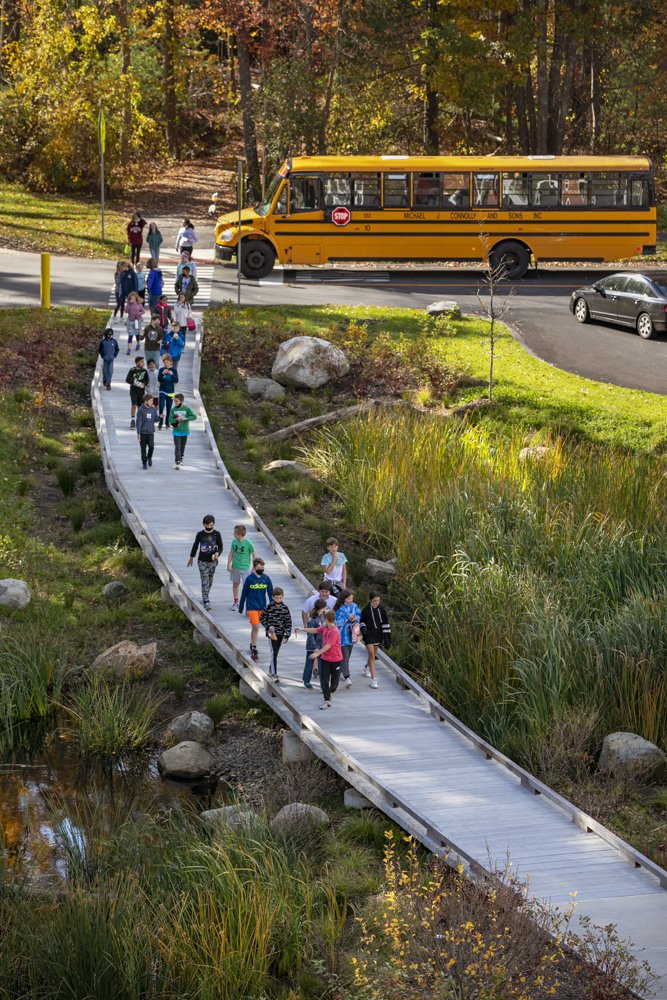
(636,286)
(616,283)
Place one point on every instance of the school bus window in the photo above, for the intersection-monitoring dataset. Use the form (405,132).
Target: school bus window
(605,190)
(639,192)
(573,190)
(455,190)
(306,194)
(366,190)
(485,190)
(544,190)
(516,190)
(337,190)
(427,190)
(396,191)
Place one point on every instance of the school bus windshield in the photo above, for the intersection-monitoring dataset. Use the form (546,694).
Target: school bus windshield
(265,206)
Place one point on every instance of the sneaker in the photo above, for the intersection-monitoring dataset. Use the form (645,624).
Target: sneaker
(348,682)
(325,705)
(108,388)
(275,679)
(235,606)
(150,461)
(207,607)
(137,347)
(176,465)
(132,425)
(367,671)
(160,423)
(308,685)
(374,683)
(144,465)
(254,655)
(127,351)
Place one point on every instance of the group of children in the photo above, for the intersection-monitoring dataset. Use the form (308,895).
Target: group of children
(332,621)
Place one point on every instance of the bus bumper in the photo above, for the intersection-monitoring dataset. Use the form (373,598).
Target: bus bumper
(224,253)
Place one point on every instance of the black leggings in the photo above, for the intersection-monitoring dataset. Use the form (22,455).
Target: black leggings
(274,646)
(329,676)
(135,252)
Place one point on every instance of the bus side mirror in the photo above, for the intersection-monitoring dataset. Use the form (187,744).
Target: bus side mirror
(327,214)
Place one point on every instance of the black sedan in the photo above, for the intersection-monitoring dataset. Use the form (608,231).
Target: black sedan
(630,299)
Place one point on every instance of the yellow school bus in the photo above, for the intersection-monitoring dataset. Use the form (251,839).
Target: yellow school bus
(509,210)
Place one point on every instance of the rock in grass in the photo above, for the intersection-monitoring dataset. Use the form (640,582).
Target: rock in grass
(444,307)
(114,591)
(534,453)
(296,815)
(287,465)
(308,363)
(190,726)
(379,571)
(229,816)
(186,761)
(126,661)
(15,594)
(630,755)
(265,388)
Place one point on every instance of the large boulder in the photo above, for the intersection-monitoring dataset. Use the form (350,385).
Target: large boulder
(287,465)
(297,815)
(190,726)
(444,307)
(229,816)
(15,594)
(379,571)
(630,755)
(308,363)
(126,661)
(265,388)
(114,591)
(186,761)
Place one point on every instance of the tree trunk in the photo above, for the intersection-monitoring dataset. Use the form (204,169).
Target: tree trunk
(170,78)
(249,131)
(522,123)
(125,66)
(431,112)
(542,12)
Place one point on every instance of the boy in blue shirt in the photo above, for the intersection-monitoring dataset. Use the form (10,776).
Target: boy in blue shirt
(256,594)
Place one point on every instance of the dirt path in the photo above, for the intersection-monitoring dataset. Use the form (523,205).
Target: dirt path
(184,188)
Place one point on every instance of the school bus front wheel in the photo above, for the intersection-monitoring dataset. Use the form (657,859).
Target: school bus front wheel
(257,258)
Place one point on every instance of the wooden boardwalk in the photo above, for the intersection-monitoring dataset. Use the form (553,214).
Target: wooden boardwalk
(408,755)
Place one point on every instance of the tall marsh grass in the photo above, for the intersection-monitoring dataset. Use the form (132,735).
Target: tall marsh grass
(531,586)
(108,720)
(31,680)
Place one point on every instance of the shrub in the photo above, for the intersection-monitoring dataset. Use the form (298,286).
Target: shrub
(67,476)
(89,463)
(175,682)
(77,514)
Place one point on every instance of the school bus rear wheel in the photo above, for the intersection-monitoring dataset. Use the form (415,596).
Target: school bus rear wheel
(257,258)
(510,259)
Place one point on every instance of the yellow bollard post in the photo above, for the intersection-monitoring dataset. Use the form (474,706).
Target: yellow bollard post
(45,283)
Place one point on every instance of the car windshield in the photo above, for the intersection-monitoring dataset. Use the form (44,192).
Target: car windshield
(265,206)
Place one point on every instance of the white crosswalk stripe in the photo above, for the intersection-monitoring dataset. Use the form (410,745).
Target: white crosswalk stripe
(204,280)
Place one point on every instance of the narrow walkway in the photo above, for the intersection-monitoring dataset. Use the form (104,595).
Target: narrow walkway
(409,756)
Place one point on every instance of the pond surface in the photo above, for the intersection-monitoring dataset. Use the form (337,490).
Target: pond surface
(47,805)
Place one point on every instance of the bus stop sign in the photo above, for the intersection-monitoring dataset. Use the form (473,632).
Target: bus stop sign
(341,216)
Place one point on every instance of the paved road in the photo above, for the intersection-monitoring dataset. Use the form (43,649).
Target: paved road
(538,307)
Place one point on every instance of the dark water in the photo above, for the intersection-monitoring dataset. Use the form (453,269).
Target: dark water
(48,805)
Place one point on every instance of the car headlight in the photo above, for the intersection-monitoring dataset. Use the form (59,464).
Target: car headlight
(227,235)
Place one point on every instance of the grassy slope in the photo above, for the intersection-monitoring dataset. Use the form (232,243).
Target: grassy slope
(41,222)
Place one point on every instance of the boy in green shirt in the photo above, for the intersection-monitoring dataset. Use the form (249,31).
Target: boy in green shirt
(238,561)
(179,419)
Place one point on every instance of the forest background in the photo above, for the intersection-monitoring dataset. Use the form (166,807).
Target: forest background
(179,79)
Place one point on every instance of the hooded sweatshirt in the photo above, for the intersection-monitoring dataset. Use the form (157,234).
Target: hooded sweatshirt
(277,616)
(146,417)
(375,629)
(108,349)
(154,282)
(343,621)
(256,591)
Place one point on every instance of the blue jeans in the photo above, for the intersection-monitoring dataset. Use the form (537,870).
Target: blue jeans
(107,372)
(308,668)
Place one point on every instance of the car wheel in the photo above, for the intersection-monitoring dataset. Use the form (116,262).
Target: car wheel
(509,260)
(257,258)
(645,326)
(581,311)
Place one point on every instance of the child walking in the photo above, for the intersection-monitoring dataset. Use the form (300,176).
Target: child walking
(152,337)
(238,561)
(277,621)
(133,311)
(146,430)
(335,567)
(313,638)
(256,594)
(141,282)
(167,379)
(330,656)
(179,420)
(165,313)
(153,385)
(207,546)
(154,240)
(137,379)
(108,351)
(173,344)
(347,615)
(375,632)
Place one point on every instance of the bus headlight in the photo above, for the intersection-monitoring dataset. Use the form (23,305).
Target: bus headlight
(227,236)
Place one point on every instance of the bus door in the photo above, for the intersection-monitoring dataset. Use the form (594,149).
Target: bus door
(306,219)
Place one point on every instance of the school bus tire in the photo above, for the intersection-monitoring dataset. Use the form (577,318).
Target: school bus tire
(257,258)
(513,257)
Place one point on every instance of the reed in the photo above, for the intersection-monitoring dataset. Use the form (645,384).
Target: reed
(31,680)
(531,586)
(108,720)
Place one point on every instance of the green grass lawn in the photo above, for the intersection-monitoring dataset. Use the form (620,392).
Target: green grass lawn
(528,393)
(41,222)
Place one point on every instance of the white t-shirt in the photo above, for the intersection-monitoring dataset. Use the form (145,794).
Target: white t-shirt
(310,603)
(333,573)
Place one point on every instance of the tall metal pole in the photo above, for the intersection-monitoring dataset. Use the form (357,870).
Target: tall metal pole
(239,196)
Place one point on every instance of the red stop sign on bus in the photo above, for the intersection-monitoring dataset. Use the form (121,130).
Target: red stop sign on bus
(341,216)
